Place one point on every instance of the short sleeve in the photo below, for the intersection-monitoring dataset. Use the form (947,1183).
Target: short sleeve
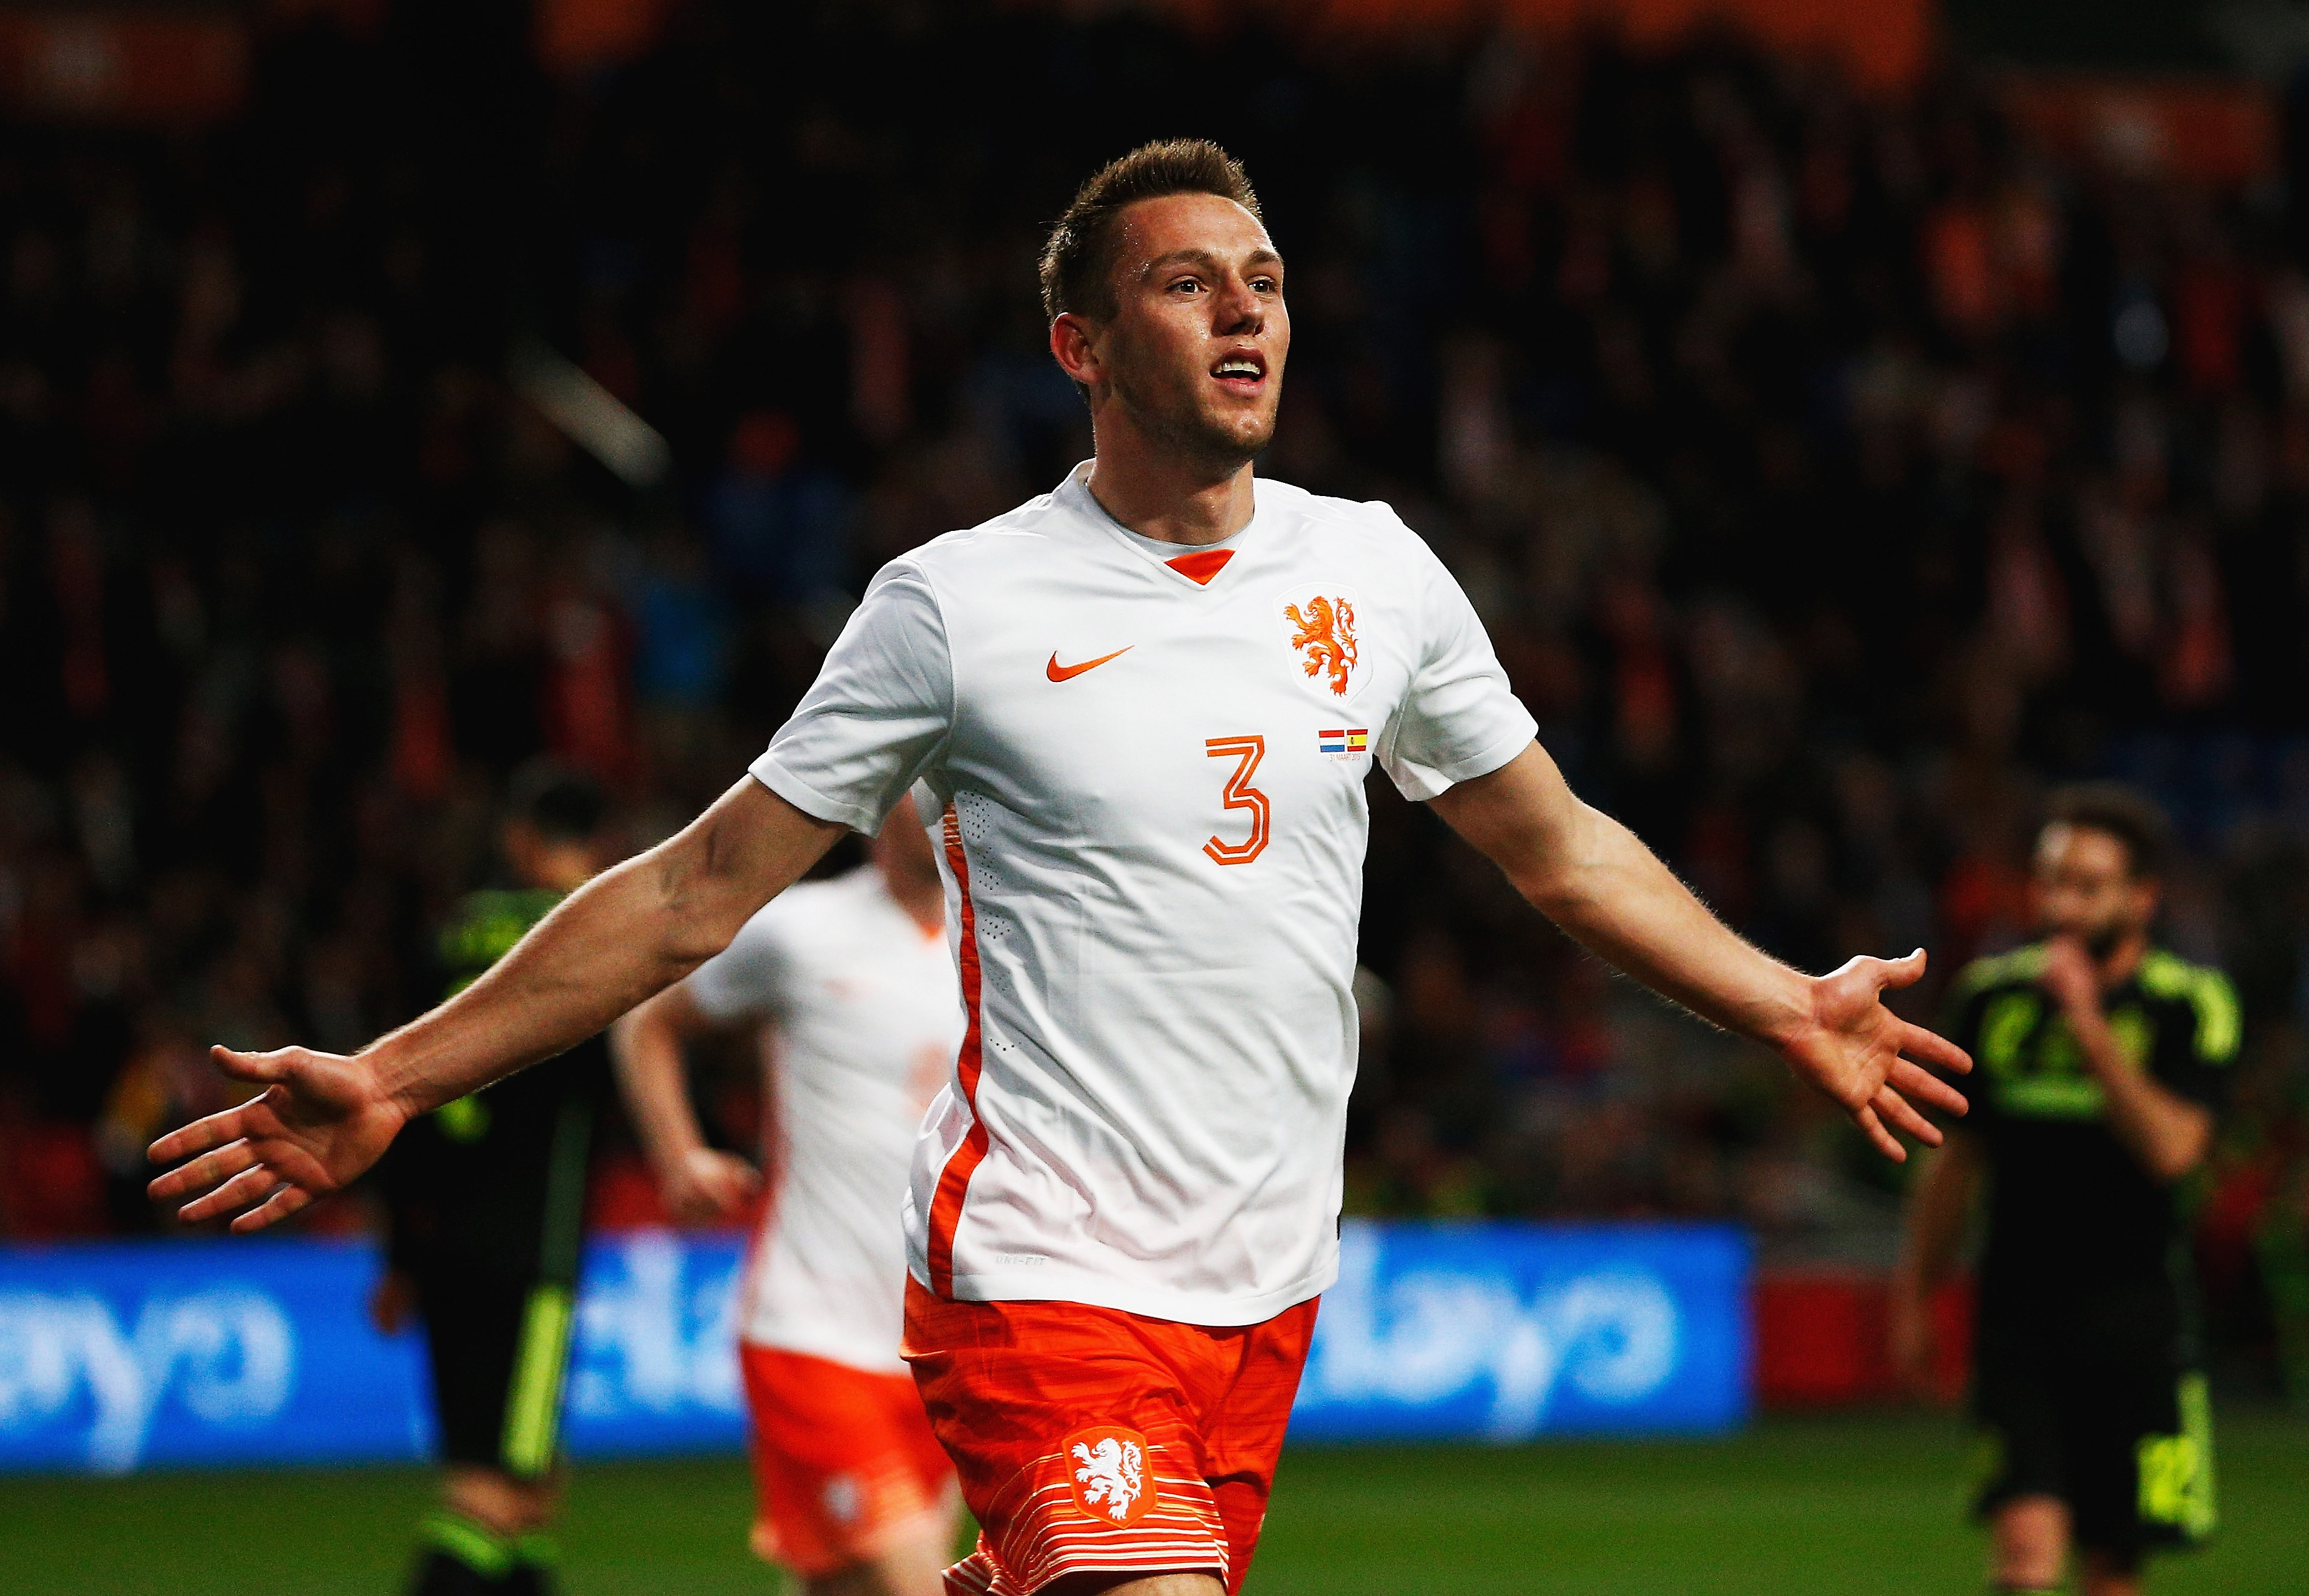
(747,980)
(1459,719)
(879,711)
(2197,1039)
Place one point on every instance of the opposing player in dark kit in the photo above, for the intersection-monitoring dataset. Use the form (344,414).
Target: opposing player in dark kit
(485,1196)
(2101,1062)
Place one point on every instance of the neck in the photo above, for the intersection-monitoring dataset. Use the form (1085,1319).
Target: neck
(2122,960)
(921,896)
(1159,493)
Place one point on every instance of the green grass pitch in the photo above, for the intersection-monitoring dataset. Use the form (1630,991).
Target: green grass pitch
(1861,1504)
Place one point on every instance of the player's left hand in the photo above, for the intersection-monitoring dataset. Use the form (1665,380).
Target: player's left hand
(321,1120)
(1871,1060)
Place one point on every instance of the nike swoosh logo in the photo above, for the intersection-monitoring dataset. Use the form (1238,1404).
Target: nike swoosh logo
(1065,673)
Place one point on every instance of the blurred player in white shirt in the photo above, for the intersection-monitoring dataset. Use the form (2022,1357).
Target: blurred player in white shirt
(1151,763)
(851,987)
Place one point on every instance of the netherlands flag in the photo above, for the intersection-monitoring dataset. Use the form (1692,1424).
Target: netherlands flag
(1356,740)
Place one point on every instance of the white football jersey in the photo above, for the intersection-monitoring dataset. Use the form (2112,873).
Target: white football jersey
(866,1015)
(1148,779)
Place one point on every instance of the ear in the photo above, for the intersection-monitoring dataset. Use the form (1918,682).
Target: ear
(1074,345)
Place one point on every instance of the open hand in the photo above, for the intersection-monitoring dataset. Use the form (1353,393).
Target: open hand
(321,1119)
(707,1185)
(1867,1057)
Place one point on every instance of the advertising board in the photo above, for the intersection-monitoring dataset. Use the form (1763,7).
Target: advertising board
(132,1355)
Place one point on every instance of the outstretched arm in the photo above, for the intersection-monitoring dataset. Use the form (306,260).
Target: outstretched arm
(323,1119)
(698,1184)
(1591,875)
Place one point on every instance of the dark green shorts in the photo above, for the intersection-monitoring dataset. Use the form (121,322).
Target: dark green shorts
(2103,1412)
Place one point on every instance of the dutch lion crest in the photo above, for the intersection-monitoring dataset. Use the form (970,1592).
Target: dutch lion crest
(1324,633)
(1109,1476)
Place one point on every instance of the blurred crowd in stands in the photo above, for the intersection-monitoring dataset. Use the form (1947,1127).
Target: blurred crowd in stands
(1833,474)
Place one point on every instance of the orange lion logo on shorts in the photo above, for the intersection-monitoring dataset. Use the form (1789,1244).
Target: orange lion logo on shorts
(1107,1468)
(1325,632)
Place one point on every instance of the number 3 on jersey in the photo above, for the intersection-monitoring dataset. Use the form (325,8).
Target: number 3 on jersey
(1246,752)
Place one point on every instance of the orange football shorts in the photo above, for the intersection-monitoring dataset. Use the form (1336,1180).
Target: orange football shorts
(1093,1441)
(845,1463)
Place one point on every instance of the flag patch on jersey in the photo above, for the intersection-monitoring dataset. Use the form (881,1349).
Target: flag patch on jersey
(1353,740)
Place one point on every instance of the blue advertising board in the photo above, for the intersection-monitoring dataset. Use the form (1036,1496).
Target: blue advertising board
(1504,1331)
(131,1355)
(121,1356)
(655,1368)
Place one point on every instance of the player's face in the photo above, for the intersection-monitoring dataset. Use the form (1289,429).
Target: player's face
(2084,888)
(1194,353)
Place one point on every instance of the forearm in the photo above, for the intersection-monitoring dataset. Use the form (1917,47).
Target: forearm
(1614,895)
(2168,1134)
(610,945)
(617,940)
(646,1048)
(1589,874)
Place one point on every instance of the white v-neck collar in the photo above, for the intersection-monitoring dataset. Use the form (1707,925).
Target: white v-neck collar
(1076,492)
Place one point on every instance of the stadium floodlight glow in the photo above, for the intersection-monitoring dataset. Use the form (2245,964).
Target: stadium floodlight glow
(594,418)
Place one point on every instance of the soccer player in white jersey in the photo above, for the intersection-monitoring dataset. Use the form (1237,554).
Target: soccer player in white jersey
(851,986)
(1146,702)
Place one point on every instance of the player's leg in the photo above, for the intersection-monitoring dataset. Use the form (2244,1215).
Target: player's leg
(499,1351)
(473,1325)
(499,1328)
(1244,1430)
(516,1514)
(917,1569)
(1072,1429)
(910,1560)
(854,1496)
(511,1508)
(2145,1480)
(2030,1538)
(2023,1486)
(527,1472)
(912,1564)
(2107,1574)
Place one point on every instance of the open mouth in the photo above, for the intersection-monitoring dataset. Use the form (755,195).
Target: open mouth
(1242,372)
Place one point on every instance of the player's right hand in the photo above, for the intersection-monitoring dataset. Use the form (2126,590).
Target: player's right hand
(707,1185)
(321,1120)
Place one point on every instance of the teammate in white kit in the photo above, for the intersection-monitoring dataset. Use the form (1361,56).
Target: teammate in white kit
(852,989)
(1147,702)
